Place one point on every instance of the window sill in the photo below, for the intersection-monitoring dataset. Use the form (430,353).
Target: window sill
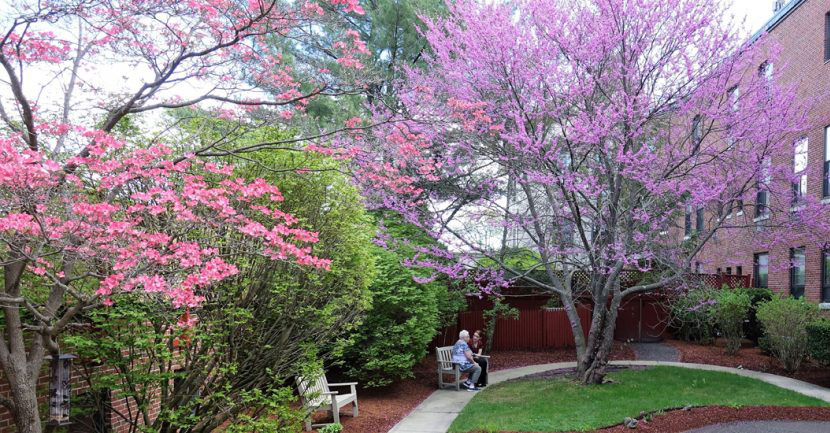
(686,238)
(825,200)
(798,208)
(729,216)
(740,213)
(761,218)
(824,306)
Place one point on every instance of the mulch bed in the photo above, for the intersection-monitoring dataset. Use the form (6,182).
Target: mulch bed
(381,409)
(677,421)
(750,358)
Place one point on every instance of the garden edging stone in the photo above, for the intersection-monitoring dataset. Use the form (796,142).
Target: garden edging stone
(437,412)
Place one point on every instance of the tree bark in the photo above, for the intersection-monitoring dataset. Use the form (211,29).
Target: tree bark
(591,367)
(23,393)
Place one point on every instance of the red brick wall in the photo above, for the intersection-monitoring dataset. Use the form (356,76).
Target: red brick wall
(79,386)
(801,37)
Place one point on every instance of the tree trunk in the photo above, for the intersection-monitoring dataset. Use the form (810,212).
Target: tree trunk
(24,394)
(591,367)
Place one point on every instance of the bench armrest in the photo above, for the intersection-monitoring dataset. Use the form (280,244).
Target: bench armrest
(343,384)
(482,356)
(329,393)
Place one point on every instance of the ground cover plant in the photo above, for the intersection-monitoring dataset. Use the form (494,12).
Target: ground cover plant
(561,405)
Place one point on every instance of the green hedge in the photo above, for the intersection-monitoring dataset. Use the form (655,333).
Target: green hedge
(818,341)
(752,328)
(732,307)
(785,323)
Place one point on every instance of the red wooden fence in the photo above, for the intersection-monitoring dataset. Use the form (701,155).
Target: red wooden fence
(533,330)
(641,317)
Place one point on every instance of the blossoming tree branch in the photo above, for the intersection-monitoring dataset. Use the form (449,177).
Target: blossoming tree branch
(86,212)
(578,132)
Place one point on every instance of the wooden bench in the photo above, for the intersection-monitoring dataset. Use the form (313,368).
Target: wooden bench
(316,395)
(445,366)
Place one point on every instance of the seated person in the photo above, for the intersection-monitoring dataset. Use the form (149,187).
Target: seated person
(477,346)
(463,356)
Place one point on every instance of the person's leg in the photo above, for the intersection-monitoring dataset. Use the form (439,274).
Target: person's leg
(475,372)
(482,380)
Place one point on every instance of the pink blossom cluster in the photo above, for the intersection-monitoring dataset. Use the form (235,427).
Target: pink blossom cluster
(138,220)
(558,123)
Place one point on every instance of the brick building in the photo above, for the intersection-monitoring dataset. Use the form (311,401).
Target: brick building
(802,29)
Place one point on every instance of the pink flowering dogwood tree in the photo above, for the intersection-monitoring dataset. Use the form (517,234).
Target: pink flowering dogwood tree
(87,212)
(579,131)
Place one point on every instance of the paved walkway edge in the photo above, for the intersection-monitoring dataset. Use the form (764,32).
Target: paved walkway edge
(437,412)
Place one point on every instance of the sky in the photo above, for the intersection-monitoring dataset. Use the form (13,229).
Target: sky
(756,12)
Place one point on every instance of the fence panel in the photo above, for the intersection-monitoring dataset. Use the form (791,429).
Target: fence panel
(535,329)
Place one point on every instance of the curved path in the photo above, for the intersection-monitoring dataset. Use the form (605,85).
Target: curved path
(437,412)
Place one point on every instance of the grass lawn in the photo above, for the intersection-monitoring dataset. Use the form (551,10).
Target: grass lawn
(556,405)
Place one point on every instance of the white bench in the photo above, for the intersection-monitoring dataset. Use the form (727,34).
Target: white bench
(316,395)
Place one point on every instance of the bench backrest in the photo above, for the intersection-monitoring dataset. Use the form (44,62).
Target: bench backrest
(444,356)
(313,389)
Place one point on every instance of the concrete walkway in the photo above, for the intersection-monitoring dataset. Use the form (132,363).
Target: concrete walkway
(766,427)
(437,412)
(655,352)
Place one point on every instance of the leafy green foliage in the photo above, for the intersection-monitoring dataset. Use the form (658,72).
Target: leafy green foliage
(331,428)
(752,329)
(691,315)
(404,317)
(145,358)
(499,310)
(818,340)
(256,330)
(729,312)
(785,323)
(561,405)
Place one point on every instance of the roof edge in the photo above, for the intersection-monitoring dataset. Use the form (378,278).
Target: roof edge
(776,19)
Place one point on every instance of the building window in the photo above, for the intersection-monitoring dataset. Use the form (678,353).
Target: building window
(760,270)
(728,271)
(734,98)
(718,271)
(765,70)
(762,197)
(827,161)
(797,272)
(825,275)
(701,224)
(698,267)
(827,37)
(688,225)
(800,169)
(697,133)
(739,270)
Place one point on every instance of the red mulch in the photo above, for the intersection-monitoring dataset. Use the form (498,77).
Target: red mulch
(680,421)
(751,358)
(381,409)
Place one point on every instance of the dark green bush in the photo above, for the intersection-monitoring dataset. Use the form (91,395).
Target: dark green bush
(405,315)
(752,328)
(818,341)
(785,323)
(692,315)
